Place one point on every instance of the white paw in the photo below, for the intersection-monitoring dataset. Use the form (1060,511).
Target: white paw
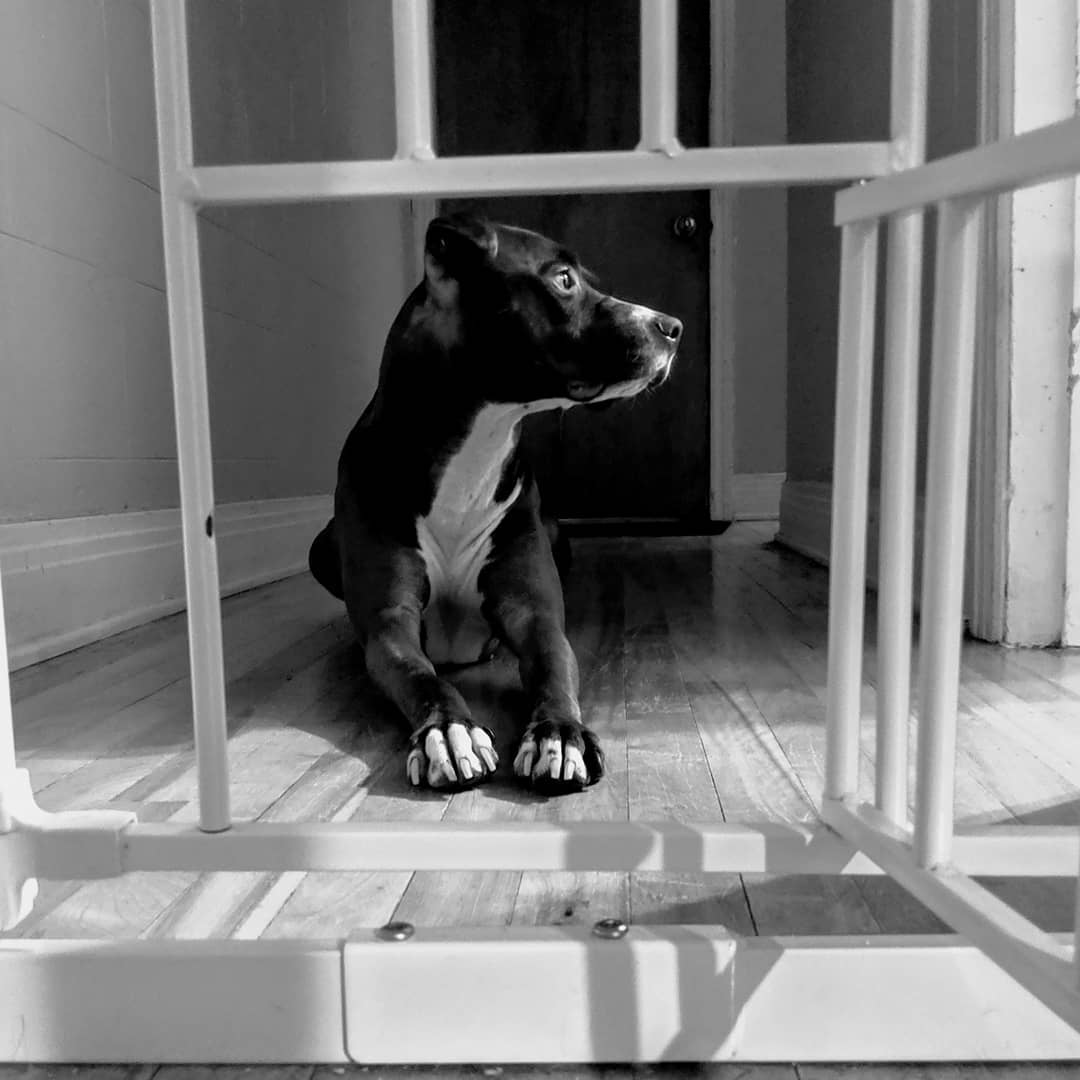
(559,756)
(456,754)
(549,758)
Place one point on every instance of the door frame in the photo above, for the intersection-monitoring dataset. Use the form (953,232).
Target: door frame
(1024,571)
(721,269)
(721,455)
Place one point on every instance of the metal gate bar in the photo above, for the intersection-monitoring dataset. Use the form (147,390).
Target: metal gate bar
(412,81)
(187,342)
(899,425)
(922,859)
(941,621)
(659,77)
(851,464)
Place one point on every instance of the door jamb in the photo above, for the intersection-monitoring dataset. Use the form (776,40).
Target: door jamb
(1025,497)
(721,269)
(986,574)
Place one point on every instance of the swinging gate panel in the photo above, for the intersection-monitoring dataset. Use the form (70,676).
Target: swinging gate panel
(1006,990)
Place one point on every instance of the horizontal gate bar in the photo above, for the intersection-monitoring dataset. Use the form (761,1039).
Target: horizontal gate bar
(1039,961)
(659,993)
(1047,153)
(613,846)
(520,174)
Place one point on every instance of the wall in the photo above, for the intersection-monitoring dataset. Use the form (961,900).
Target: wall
(301,297)
(838,90)
(298,300)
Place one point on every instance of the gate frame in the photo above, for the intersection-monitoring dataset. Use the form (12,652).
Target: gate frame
(617,993)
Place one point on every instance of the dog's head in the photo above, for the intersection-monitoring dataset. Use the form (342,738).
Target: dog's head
(522,317)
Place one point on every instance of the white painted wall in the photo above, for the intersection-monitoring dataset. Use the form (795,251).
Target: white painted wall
(299,299)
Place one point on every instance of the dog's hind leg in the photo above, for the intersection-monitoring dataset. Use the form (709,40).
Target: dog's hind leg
(324,561)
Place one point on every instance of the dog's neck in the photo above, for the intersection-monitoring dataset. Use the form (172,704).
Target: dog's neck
(471,473)
(474,471)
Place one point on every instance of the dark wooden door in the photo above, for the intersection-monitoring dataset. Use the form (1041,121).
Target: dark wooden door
(520,76)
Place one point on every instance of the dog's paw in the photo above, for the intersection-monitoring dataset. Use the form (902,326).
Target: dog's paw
(558,756)
(451,755)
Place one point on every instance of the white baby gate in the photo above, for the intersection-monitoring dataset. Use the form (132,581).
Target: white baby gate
(1003,990)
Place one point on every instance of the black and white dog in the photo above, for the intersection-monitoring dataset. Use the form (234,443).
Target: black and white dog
(437,545)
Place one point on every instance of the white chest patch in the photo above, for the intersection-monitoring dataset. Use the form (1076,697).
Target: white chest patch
(455,535)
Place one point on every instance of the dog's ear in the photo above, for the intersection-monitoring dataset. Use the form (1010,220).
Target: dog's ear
(455,247)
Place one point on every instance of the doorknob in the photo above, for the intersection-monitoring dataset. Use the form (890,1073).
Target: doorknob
(684,227)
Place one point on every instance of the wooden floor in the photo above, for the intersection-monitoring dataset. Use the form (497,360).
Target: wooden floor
(703,670)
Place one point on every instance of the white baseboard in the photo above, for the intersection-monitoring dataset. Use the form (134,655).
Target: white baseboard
(806,518)
(757,496)
(806,525)
(75,580)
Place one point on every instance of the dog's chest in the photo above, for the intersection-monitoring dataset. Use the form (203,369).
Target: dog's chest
(455,536)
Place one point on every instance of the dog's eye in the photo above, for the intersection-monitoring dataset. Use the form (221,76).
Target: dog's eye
(565,281)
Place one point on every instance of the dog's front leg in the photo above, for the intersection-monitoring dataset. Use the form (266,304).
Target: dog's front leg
(447,750)
(384,596)
(523,601)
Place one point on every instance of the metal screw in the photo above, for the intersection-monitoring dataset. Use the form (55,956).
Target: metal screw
(611,929)
(396,931)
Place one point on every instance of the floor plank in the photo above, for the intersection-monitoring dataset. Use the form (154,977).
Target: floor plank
(596,628)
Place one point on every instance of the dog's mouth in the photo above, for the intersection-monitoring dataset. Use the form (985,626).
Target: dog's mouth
(583,391)
(659,378)
(577,390)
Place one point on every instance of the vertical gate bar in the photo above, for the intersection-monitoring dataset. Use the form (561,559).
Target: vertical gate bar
(190,398)
(1076,931)
(7,720)
(412,79)
(659,76)
(952,370)
(851,463)
(900,404)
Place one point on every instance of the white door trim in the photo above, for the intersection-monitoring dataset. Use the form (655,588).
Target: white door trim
(721,269)
(985,601)
(1071,632)
(1021,450)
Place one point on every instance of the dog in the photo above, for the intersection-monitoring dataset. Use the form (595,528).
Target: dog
(437,544)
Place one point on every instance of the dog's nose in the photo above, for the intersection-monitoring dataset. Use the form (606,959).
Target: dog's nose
(669,328)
